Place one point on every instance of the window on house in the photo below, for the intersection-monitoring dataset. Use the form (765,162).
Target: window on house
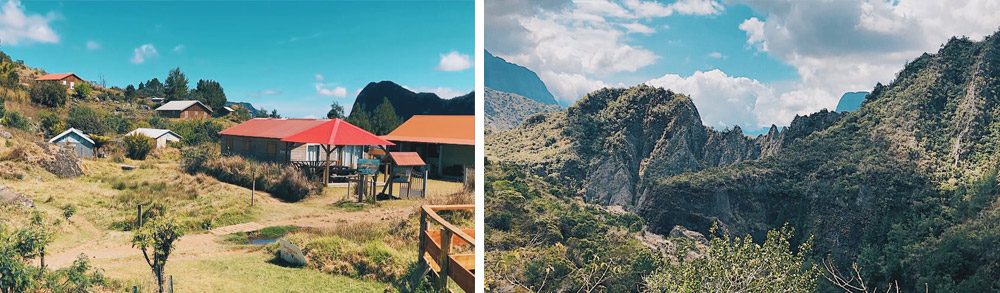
(272,148)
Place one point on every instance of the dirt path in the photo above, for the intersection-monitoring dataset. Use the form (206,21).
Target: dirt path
(116,244)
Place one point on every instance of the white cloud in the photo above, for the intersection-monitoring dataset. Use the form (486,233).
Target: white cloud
(337,92)
(179,48)
(143,52)
(319,77)
(454,61)
(93,45)
(442,92)
(842,46)
(722,100)
(269,92)
(649,9)
(636,27)
(716,55)
(570,87)
(17,26)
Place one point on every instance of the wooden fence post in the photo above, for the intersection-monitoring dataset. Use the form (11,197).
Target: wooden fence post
(443,260)
(422,234)
(425,180)
(138,218)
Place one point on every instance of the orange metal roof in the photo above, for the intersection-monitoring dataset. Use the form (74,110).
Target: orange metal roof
(272,127)
(336,132)
(56,76)
(443,129)
(406,159)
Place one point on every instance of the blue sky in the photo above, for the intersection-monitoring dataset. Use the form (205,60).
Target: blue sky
(745,63)
(297,57)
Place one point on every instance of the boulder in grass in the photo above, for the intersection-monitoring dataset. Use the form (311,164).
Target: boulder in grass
(10,196)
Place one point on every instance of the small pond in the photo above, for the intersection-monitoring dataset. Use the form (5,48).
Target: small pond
(264,240)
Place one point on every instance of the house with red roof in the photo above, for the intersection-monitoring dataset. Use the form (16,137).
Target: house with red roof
(446,142)
(261,139)
(67,79)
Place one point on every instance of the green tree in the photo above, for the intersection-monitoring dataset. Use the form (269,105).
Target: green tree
(384,120)
(176,86)
(138,146)
(210,93)
(740,265)
(86,119)
(130,93)
(17,248)
(159,236)
(9,77)
(359,117)
(51,123)
(49,94)
(274,113)
(336,111)
(83,90)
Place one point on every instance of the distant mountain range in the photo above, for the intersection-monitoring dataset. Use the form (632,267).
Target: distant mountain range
(851,101)
(507,110)
(408,103)
(250,108)
(511,78)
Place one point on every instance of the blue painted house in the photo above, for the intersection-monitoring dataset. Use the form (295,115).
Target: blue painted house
(80,143)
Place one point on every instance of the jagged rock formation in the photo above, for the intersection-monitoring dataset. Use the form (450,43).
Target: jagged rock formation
(506,110)
(614,140)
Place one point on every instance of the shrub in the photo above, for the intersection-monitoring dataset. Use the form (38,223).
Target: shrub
(86,119)
(83,90)
(14,119)
(68,211)
(138,146)
(284,182)
(49,94)
(51,123)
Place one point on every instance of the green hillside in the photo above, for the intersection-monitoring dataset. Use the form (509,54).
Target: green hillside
(906,186)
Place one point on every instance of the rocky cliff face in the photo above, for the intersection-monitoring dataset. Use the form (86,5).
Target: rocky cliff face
(506,110)
(615,141)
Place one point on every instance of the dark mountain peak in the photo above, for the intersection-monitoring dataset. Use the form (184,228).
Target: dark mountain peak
(512,78)
(408,103)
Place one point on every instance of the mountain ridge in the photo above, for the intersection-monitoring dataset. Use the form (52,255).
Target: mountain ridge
(508,77)
(408,103)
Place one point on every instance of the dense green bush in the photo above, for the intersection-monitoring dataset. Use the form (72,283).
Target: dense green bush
(86,119)
(538,240)
(15,119)
(49,94)
(138,146)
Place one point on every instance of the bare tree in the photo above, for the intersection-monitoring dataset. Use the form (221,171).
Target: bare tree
(853,283)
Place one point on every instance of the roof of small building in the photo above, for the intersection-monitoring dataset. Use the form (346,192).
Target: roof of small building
(272,127)
(181,106)
(443,129)
(57,76)
(68,132)
(405,159)
(153,133)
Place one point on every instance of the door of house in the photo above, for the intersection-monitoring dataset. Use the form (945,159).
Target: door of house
(312,153)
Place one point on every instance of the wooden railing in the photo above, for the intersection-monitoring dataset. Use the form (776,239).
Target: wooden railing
(436,249)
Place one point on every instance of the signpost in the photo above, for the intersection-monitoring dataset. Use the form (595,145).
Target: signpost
(366,167)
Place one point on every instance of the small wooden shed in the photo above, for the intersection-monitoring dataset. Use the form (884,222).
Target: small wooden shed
(162,136)
(80,143)
(184,110)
